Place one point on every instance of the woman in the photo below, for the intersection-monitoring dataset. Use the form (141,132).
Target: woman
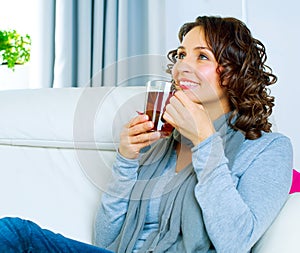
(219,180)
(217,183)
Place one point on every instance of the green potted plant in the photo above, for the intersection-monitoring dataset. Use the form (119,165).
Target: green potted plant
(14,48)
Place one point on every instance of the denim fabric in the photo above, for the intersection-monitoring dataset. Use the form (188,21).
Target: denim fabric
(18,235)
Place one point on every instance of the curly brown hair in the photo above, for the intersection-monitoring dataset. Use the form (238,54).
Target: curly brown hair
(242,69)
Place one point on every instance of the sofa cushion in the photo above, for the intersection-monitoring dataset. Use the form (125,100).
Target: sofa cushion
(56,151)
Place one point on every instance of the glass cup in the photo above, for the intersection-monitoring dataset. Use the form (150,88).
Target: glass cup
(158,94)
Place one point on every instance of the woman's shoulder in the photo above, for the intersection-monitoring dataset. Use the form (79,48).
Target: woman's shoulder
(271,140)
(269,148)
(267,138)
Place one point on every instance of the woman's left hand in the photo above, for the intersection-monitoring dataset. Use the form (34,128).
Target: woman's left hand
(189,118)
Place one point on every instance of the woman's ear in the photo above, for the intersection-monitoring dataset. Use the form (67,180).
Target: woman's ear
(223,82)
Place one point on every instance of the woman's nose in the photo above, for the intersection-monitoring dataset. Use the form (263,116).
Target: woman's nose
(183,66)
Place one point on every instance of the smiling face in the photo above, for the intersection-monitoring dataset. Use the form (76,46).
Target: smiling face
(195,72)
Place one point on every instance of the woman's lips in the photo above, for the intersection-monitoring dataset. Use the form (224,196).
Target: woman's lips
(187,85)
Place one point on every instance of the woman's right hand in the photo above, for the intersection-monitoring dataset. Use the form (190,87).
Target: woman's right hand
(136,135)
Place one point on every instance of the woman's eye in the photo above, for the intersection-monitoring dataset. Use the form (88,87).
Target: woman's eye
(203,57)
(180,56)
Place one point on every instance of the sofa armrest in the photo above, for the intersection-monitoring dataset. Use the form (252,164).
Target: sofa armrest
(284,233)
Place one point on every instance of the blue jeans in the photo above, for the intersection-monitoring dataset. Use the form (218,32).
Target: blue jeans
(18,235)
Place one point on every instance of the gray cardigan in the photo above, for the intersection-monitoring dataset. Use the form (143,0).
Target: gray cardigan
(237,204)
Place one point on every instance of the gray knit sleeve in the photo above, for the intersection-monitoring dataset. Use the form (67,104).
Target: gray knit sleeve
(241,202)
(114,201)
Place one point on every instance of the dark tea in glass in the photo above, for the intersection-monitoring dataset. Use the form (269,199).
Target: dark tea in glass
(157,97)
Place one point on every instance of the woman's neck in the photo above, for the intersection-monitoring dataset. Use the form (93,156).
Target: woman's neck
(215,111)
(184,156)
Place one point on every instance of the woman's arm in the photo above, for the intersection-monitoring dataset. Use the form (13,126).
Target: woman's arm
(134,136)
(236,214)
(114,202)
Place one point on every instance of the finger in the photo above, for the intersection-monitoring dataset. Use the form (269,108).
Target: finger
(146,144)
(183,98)
(186,102)
(137,120)
(175,107)
(145,138)
(140,128)
(174,104)
(168,118)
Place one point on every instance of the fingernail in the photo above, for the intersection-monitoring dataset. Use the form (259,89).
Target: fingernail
(139,113)
(156,134)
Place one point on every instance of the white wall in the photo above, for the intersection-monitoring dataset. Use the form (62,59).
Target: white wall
(16,15)
(274,23)
(277,25)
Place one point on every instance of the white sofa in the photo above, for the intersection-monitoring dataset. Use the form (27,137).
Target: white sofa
(56,149)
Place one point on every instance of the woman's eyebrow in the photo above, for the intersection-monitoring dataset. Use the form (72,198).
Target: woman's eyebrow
(196,48)
(180,47)
(200,47)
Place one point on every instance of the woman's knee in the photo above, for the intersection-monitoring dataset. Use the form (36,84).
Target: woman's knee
(11,223)
(12,230)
